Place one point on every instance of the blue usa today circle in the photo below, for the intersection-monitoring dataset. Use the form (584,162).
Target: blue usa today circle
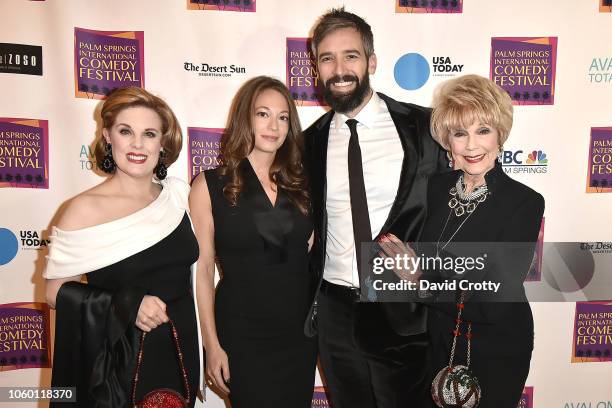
(8,246)
(411,71)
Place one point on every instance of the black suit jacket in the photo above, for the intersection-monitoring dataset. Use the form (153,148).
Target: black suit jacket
(505,226)
(422,158)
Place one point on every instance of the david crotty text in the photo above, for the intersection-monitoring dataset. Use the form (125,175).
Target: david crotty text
(484,286)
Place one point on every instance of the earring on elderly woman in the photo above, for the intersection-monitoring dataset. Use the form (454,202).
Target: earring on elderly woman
(450,160)
(500,155)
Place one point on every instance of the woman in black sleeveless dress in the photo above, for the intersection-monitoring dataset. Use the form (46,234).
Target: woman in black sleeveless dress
(254,207)
(132,238)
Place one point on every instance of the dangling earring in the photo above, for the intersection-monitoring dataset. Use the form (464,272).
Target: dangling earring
(108,163)
(161,171)
(451,163)
(500,155)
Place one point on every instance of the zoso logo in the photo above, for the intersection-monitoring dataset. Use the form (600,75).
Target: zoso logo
(8,246)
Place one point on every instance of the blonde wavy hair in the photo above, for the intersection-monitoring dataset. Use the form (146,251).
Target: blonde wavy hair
(467,99)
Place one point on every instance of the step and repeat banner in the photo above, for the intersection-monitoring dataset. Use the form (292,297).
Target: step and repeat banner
(60,58)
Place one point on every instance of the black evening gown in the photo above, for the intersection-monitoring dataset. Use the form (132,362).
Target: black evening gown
(167,277)
(264,294)
(502,331)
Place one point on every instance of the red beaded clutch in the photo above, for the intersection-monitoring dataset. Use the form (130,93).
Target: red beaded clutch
(162,397)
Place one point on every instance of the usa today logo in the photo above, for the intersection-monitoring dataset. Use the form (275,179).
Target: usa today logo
(412,70)
(8,246)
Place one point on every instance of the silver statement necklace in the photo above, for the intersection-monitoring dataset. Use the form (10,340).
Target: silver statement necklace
(461,203)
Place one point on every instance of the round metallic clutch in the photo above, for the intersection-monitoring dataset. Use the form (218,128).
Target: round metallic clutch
(455,388)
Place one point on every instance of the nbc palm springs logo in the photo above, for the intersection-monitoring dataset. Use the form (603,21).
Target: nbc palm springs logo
(525,162)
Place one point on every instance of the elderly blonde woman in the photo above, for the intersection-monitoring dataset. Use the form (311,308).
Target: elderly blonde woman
(479,203)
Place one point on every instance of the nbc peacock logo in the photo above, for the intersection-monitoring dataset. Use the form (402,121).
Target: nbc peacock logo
(536,157)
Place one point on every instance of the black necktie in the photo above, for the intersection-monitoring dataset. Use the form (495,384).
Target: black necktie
(359,202)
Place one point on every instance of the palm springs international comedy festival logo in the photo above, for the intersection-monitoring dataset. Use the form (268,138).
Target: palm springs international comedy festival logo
(106,60)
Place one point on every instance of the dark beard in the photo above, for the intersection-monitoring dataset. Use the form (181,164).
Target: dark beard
(346,102)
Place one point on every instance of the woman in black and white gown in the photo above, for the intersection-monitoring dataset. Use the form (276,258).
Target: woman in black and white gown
(131,237)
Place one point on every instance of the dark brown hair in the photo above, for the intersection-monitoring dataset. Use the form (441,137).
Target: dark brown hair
(238,141)
(123,98)
(336,19)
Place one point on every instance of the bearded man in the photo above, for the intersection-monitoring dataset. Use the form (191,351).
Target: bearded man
(369,159)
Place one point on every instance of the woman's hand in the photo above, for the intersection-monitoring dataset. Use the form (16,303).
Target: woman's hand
(217,368)
(151,313)
(391,246)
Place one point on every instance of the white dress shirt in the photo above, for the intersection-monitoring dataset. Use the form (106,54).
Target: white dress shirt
(381,156)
